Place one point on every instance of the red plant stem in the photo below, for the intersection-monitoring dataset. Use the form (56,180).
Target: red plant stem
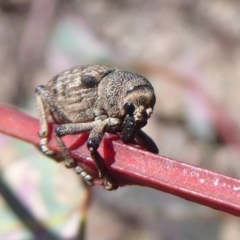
(128,165)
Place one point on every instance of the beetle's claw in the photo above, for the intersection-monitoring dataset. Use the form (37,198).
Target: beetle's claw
(108,184)
(86,177)
(44,148)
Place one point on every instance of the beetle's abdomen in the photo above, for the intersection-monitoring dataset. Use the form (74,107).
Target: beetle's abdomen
(75,90)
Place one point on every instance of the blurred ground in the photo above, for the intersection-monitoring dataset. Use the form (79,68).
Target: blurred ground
(189,50)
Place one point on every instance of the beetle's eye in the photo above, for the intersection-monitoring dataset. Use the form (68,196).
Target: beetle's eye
(129,108)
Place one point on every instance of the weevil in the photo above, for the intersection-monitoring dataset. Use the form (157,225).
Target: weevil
(98,99)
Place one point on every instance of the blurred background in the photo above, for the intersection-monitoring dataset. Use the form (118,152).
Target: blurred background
(189,50)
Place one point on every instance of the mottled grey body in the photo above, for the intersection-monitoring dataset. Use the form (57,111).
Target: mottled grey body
(97,99)
(76,91)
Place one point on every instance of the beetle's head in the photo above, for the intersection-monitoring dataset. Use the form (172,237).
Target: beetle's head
(138,106)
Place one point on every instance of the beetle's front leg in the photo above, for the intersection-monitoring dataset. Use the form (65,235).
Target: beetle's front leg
(146,141)
(73,128)
(94,141)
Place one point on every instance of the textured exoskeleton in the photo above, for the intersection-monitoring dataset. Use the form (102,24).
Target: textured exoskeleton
(98,99)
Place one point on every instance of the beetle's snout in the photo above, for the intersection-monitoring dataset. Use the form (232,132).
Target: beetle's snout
(141,116)
(140,124)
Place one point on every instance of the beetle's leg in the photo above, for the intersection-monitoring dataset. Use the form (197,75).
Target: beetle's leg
(73,128)
(146,141)
(47,98)
(43,112)
(94,141)
(45,104)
